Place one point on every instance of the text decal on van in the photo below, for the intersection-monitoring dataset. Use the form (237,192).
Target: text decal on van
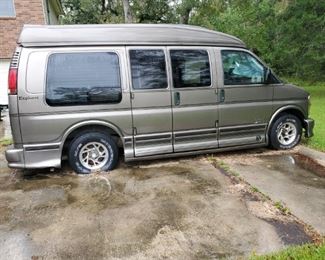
(27,98)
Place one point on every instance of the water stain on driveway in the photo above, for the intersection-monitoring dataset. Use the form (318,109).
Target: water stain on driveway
(298,168)
(171,209)
(291,178)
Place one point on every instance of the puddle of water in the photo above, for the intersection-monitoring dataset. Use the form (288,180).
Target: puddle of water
(30,182)
(128,211)
(300,168)
(198,182)
(290,233)
(309,164)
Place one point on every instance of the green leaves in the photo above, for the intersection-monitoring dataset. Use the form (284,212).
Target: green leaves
(288,34)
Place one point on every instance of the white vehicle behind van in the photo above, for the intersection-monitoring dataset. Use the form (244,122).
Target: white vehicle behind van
(4,68)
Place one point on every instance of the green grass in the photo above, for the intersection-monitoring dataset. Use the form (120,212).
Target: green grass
(304,252)
(5,142)
(317,112)
(281,207)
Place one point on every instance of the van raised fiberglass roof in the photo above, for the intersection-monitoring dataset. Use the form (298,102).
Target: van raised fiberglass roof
(123,34)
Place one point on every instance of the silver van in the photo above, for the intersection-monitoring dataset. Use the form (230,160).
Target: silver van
(93,93)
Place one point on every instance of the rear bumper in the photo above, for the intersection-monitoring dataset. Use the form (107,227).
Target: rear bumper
(309,127)
(15,157)
(34,156)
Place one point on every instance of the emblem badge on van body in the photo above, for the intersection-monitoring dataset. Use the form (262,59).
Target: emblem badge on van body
(27,98)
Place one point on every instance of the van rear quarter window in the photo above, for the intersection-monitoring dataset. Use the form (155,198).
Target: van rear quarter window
(83,79)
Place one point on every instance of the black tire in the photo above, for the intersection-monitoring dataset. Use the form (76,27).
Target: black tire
(279,127)
(87,138)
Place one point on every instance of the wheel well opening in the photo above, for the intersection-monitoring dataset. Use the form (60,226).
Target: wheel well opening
(91,128)
(291,111)
(294,112)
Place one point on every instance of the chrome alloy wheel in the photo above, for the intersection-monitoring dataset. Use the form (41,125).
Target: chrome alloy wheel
(93,155)
(287,133)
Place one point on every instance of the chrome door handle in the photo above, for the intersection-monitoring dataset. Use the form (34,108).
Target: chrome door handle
(222,95)
(177,98)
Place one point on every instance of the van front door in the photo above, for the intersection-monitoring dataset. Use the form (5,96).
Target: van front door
(151,101)
(245,100)
(194,99)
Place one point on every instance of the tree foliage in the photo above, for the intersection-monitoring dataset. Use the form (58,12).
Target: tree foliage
(288,34)
(300,46)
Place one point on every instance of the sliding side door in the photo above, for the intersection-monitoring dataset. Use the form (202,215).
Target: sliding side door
(151,101)
(194,98)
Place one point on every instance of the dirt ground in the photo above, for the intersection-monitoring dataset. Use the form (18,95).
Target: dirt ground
(177,209)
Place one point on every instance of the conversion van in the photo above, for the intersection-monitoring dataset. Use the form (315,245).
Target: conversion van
(94,93)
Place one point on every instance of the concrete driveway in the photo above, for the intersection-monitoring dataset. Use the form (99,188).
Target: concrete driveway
(294,178)
(179,209)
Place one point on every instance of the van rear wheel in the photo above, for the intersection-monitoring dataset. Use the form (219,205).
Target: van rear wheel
(93,151)
(286,132)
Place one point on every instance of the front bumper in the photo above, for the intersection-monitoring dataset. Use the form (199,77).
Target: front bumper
(309,127)
(15,157)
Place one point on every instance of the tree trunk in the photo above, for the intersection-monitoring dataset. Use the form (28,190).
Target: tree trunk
(103,7)
(110,8)
(127,12)
(185,16)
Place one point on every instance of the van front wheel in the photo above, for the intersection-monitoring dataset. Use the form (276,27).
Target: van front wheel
(285,132)
(93,151)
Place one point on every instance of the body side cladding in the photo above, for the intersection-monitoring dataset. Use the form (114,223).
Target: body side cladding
(194,152)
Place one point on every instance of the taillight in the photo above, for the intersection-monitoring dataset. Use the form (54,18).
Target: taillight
(13,73)
(12,81)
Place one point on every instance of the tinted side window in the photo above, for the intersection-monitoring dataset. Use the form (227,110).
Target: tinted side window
(148,69)
(83,79)
(191,68)
(241,68)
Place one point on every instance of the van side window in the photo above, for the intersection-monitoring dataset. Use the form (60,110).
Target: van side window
(191,68)
(241,68)
(148,69)
(83,79)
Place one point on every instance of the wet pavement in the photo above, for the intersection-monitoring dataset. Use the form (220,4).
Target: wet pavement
(181,209)
(293,179)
